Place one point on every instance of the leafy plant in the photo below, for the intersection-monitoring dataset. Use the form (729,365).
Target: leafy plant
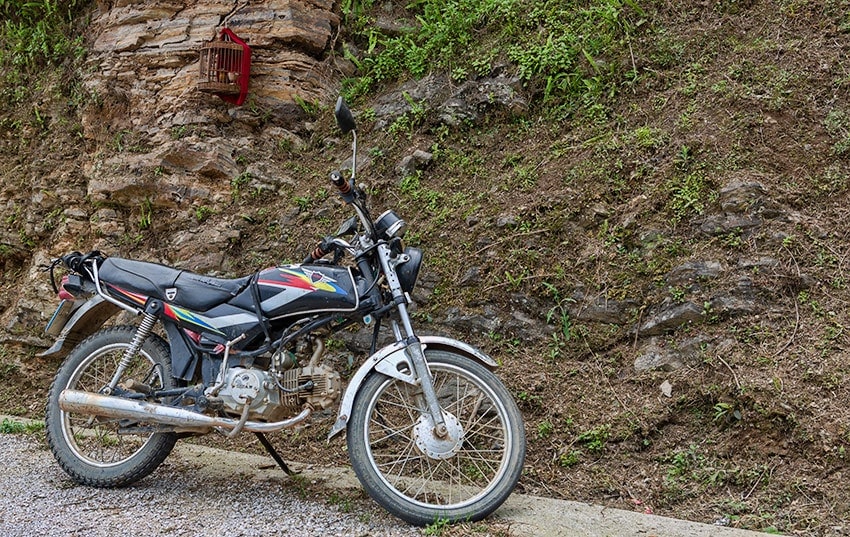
(410,119)
(560,311)
(8,426)
(545,429)
(145,213)
(570,458)
(689,195)
(437,527)
(595,439)
(238,183)
(39,33)
(203,212)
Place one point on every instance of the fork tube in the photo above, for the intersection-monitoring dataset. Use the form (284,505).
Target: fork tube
(414,347)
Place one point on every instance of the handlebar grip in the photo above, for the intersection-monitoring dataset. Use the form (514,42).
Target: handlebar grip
(317,253)
(343,186)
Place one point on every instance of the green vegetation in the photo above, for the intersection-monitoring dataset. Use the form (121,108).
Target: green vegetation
(35,34)
(437,528)
(8,426)
(570,53)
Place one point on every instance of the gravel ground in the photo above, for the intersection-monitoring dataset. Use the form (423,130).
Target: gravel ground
(180,498)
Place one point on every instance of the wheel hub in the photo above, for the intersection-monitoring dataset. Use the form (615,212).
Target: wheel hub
(435,447)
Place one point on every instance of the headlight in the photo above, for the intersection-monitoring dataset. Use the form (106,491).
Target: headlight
(390,225)
(409,271)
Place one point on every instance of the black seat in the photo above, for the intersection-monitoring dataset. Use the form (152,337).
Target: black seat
(193,291)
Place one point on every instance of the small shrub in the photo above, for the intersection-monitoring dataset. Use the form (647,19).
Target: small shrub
(8,426)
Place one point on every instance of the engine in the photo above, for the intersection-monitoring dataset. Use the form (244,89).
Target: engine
(265,398)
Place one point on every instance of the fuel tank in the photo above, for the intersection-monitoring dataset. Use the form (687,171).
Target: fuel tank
(299,289)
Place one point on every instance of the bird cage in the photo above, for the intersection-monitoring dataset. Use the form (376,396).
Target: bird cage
(225,67)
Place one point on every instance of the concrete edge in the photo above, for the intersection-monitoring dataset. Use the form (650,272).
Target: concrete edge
(525,514)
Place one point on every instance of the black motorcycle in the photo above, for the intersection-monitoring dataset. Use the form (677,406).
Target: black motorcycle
(432,433)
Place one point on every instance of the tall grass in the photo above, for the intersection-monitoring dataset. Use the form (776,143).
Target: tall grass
(567,52)
(37,33)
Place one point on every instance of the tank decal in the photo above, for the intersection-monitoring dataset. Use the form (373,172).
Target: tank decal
(295,282)
(306,279)
(300,289)
(186,316)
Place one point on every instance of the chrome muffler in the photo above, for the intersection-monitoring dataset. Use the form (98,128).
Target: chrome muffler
(119,408)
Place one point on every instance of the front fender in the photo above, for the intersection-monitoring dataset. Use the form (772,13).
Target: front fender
(393,361)
(85,321)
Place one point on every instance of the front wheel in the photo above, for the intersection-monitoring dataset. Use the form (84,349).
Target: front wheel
(104,452)
(423,478)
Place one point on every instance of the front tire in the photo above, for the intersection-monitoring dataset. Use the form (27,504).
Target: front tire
(422,478)
(89,448)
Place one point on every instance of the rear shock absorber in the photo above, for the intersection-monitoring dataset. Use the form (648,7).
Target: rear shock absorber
(142,333)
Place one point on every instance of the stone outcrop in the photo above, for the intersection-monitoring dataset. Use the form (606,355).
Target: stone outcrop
(144,60)
(159,146)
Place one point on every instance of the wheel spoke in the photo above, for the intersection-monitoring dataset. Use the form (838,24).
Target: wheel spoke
(95,439)
(456,476)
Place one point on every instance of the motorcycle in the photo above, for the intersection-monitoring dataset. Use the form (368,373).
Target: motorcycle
(432,433)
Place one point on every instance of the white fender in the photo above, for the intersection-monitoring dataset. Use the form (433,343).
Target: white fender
(393,361)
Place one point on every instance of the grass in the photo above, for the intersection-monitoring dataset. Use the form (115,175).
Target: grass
(556,48)
(35,34)
(8,426)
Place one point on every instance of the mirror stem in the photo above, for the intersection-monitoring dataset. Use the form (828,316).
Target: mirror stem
(354,159)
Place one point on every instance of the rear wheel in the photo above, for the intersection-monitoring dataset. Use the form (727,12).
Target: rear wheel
(100,451)
(421,477)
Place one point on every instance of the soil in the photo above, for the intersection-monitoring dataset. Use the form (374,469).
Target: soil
(753,433)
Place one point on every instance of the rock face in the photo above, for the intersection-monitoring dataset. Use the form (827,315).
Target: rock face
(158,145)
(145,71)
(145,60)
(144,68)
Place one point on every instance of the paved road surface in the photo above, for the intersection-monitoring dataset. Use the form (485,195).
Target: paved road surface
(210,492)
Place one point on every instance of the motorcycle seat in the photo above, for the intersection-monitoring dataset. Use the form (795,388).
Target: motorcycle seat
(172,285)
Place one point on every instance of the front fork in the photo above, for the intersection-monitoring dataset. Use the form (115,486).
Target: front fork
(422,376)
(413,351)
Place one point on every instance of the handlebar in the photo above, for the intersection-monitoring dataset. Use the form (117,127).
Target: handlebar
(344,187)
(321,250)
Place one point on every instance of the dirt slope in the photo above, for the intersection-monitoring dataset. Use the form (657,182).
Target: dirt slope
(663,278)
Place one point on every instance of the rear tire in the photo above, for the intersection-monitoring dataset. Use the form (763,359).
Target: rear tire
(89,448)
(420,477)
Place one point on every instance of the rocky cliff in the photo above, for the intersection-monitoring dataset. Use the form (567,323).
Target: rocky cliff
(661,269)
(152,149)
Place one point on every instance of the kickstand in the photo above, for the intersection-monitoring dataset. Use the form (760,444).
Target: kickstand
(275,455)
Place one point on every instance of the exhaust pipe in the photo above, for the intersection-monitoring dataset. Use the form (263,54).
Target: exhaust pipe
(119,408)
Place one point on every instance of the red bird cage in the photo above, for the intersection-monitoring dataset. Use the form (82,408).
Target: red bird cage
(226,67)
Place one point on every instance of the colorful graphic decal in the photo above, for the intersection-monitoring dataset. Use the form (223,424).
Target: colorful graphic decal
(172,312)
(134,297)
(186,316)
(305,279)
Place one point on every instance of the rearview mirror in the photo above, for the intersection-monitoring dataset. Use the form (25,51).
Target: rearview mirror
(343,115)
